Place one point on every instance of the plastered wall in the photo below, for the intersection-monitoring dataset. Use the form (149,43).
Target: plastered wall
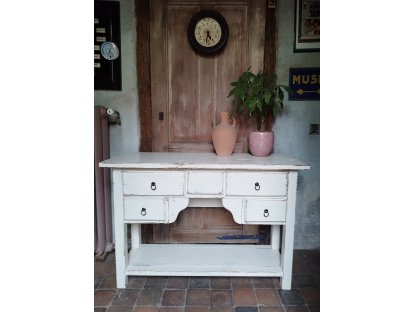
(292,131)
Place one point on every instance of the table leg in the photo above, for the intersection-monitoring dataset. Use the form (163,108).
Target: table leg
(120,231)
(288,232)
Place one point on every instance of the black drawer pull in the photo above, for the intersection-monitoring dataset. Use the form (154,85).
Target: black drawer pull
(266,213)
(153,186)
(257,186)
(143,212)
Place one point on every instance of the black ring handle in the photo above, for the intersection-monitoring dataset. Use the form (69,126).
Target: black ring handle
(257,186)
(266,213)
(153,186)
(143,212)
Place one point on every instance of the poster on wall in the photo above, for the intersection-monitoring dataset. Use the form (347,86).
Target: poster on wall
(307,26)
(305,84)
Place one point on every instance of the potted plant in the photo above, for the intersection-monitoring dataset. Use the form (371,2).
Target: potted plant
(261,97)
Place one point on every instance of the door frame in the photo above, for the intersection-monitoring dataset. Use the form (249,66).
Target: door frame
(143,63)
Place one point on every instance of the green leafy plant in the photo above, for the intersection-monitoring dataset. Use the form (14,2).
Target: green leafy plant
(258,94)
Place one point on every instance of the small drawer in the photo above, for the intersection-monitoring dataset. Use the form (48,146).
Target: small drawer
(256,184)
(205,183)
(265,211)
(153,183)
(144,209)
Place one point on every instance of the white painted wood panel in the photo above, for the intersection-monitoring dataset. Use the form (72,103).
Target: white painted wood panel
(153,183)
(145,209)
(265,211)
(205,183)
(205,260)
(242,161)
(256,184)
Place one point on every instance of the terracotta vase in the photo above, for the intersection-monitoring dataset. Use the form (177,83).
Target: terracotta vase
(224,135)
(260,143)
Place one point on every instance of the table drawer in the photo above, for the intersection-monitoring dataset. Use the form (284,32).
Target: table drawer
(205,183)
(256,184)
(145,209)
(265,211)
(153,183)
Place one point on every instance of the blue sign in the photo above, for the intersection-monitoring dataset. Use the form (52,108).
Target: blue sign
(305,84)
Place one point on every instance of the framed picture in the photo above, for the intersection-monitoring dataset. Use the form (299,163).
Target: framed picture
(307,18)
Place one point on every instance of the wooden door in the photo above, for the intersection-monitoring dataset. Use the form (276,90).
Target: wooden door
(188,91)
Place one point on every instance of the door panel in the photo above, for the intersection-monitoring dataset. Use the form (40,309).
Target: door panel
(191,90)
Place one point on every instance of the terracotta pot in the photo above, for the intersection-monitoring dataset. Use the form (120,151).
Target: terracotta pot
(260,143)
(224,135)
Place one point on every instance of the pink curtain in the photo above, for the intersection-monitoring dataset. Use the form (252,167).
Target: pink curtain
(103,232)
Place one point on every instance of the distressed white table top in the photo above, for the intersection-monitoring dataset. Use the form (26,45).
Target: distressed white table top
(243,161)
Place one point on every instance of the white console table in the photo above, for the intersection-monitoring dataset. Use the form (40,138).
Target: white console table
(155,187)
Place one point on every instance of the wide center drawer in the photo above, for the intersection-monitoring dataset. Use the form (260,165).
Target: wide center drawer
(153,183)
(205,183)
(145,209)
(256,184)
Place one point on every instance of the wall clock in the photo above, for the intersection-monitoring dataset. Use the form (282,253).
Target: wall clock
(208,32)
(110,51)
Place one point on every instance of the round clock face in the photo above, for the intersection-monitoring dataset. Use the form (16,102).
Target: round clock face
(110,51)
(208,32)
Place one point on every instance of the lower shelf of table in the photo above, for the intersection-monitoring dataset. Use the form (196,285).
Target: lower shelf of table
(204,260)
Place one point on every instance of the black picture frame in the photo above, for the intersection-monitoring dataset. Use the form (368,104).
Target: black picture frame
(107,73)
(307,26)
(191,30)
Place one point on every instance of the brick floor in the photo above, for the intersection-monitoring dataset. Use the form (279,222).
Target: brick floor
(210,294)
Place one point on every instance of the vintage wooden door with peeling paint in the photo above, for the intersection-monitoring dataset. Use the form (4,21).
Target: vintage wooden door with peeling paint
(188,91)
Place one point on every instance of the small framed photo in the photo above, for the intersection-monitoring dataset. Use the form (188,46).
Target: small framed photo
(307,18)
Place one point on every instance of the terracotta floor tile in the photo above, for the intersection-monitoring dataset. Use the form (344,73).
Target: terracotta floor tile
(272,309)
(171,309)
(177,282)
(263,282)
(241,282)
(173,297)
(109,282)
(303,281)
(296,309)
(268,297)
(311,295)
(146,309)
(291,297)
(103,297)
(221,309)
(97,281)
(104,268)
(246,309)
(244,297)
(276,281)
(125,297)
(136,282)
(120,309)
(220,283)
(156,282)
(149,297)
(314,308)
(197,309)
(221,298)
(199,282)
(199,297)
